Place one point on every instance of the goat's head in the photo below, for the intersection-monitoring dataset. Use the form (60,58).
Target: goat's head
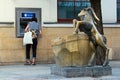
(87,14)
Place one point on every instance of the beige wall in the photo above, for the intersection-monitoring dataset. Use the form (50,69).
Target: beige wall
(113,41)
(7,9)
(12,50)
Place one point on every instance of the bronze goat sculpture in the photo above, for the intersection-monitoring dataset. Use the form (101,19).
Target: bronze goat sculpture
(87,25)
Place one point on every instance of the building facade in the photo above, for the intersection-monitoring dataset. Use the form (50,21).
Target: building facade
(54,22)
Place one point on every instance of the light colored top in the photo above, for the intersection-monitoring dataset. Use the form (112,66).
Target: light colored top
(34,26)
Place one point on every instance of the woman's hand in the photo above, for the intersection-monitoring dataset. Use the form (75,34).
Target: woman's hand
(40,34)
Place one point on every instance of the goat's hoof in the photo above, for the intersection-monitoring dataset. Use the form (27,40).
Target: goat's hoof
(105,63)
(89,65)
(74,33)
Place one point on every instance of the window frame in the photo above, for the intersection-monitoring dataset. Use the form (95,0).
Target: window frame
(68,20)
(118,3)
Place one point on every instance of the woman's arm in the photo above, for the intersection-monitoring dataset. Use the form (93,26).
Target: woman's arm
(26,29)
(40,32)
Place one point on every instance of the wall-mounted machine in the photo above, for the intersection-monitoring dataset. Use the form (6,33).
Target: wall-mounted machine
(23,16)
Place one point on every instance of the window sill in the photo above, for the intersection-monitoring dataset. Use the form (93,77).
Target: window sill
(6,24)
(60,25)
(114,25)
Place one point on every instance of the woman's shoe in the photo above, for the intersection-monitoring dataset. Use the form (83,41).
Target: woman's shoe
(33,62)
(27,63)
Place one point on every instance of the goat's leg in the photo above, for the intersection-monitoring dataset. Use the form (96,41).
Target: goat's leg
(74,23)
(77,27)
(106,53)
(100,42)
(90,63)
(92,58)
(106,62)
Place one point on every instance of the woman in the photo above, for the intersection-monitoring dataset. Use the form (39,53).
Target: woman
(34,27)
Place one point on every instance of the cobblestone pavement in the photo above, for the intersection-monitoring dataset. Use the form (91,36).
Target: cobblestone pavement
(42,72)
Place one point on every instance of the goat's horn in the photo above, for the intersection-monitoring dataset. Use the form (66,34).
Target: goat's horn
(95,14)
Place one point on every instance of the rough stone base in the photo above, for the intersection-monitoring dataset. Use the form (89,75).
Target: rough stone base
(94,71)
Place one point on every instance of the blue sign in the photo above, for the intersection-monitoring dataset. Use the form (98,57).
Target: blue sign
(28,15)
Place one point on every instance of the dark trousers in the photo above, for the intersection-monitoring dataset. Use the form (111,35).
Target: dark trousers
(34,48)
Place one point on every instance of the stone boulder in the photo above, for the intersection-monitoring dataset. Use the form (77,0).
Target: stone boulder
(72,50)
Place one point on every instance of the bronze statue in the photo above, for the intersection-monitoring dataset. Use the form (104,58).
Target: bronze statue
(88,26)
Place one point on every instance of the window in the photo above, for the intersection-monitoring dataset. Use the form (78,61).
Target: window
(69,9)
(118,10)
